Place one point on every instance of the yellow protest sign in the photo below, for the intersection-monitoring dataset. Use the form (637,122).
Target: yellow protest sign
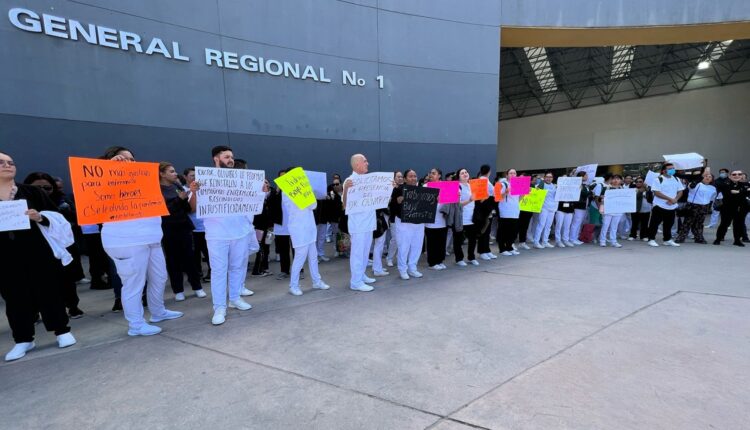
(533,201)
(297,187)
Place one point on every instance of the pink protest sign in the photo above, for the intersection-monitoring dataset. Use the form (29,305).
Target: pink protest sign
(449,192)
(520,185)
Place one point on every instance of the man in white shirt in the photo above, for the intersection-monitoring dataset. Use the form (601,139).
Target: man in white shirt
(667,191)
(228,249)
(361,225)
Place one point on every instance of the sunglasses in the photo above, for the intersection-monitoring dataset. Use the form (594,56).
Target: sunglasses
(7,163)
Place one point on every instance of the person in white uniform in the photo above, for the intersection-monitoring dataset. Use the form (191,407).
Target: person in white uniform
(398,178)
(303,233)
(228,240)
(547,215)
(361,225)
(135,248)
(610,221)
(509,211)
(410,236)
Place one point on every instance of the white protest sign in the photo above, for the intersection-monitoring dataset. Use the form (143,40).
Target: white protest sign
(651,177)
(687,161)
(229,192)
(568,189)
(599,179)
(369,192)
(590,170)
(619,201)
(13,215)
(318,183)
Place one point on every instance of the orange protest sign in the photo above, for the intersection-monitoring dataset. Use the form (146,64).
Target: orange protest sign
(498,191)
(107,191)
(479,188)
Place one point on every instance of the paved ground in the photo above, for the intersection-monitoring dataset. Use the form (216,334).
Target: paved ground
(584,338)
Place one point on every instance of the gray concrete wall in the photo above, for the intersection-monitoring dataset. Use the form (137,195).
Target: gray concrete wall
(711,121)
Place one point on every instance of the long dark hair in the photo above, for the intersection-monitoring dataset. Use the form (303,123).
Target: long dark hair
(56,195)
(112,151)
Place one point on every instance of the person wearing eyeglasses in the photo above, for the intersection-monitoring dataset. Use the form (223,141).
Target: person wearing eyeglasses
(733,208)
(31,272)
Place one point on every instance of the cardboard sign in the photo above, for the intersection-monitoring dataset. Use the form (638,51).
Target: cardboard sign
(449,191)
(229,192)
(369,192)
(498,191)
(419,205)
(650,178)
(318,183)
(568,189)
(619,201)
(109,191)
(13,215)
(590,170)
(479,188)
(533,201)
(687,161)
(296,186)
(520,185)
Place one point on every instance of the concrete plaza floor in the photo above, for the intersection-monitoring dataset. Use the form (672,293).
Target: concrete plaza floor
(583,338)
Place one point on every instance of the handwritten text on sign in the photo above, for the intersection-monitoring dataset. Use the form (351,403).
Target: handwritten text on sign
(109,191)
(296,186)
(369,192)
(533,201)
(619,201)
(568,189)
(13,215)
(229,192)
(419,205)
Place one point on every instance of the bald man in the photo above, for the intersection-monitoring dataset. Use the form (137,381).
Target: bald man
(361,225)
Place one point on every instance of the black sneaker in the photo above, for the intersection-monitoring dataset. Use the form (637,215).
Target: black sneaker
(117,307)
(75,313)
(738,243)
(746,240)
(717,242)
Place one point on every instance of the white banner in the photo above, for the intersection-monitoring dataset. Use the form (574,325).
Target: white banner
(590,170)
(318,183)
(229,192)
(687,161)
(369,192)
(619,201)
(13,215)
(568,189)
(650,178)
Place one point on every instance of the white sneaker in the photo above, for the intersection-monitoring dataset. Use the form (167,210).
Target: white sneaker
(507,253)
(630,239)
(379,274)
(84,281)
(485,257)
(492,256)
(514,252)
(324,258)
(320,285)
(415,273)
(144,330)
(538,245)
(443,266)
(200,294)
(560,244)
(548,245)
(652,243)
(244,292)
(219,316)
(65,340)
(368,280)
(389,263)
(179,297)
(19,350)
(436,267)
(403,275)
(474,262)
(461,263)
(569,244)
(671,243)
(167,315)
(240,304)
(645,239)
(577,242)
(295,291)
(603,244)
(616,245)
(514,246)
(361,287)
(524,245)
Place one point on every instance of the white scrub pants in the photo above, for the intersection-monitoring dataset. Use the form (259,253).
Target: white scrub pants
(393,244)
(575,226)
(543,226)
(358,256)
(301,253)
(321,238)
(136,265)
(228,260)
(410,238)
(563,221)
(377,253)
(609,223)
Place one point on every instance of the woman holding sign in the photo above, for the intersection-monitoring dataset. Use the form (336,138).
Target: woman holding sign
(31,274)
(437,232)
(507,228)
(610,221)
(135,247)
(470,230)
(409,236)
(547,215)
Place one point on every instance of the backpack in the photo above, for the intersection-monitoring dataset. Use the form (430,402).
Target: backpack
(649,195)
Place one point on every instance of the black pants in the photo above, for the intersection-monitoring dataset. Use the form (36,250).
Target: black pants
(98,260)
(283,244)
(261,258)
(659,216)
(470,233)
(639,222)
(483,237)
(507,231)
(71,275)
(524,219)
(436,239)
(180,257)
(743,226)
(731,215)
(200,251)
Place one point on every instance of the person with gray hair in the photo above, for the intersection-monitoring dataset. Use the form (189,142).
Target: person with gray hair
(361,225)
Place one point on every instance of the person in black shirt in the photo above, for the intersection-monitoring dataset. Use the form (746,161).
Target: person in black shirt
(733,208)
